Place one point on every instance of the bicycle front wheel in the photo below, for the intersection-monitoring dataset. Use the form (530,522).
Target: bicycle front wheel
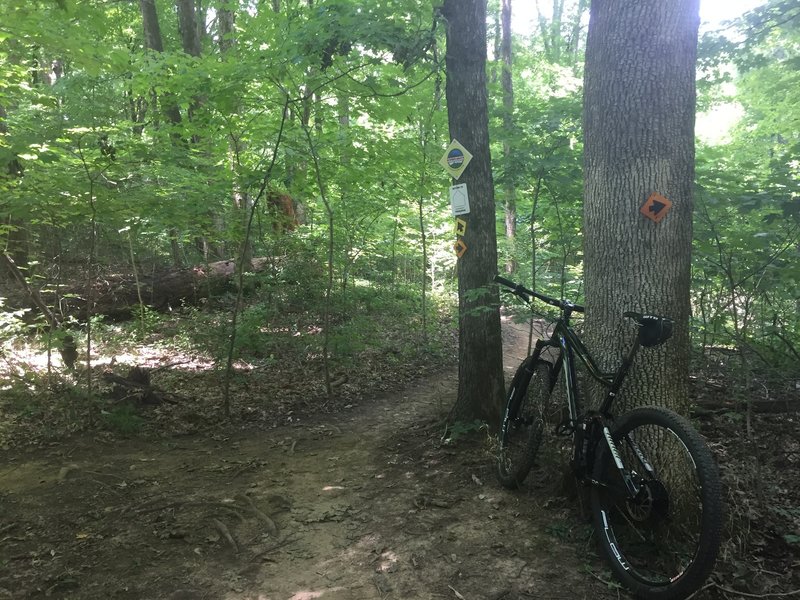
(523,422)
(660,530)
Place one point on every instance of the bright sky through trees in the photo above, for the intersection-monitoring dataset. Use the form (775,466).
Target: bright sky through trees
(712,12)
(713,126)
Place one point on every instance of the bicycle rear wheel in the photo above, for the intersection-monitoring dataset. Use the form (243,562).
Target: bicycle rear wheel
(663,540)
(523,421)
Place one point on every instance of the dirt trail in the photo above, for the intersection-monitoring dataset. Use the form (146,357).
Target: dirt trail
(369,504)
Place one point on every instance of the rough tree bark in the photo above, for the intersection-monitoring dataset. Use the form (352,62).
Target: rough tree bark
(639,110)
(480,368)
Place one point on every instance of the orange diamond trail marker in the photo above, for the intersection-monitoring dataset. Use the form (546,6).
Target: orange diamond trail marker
(460,247)
(656,207)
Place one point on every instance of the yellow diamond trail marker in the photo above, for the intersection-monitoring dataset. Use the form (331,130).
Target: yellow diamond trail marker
(461,227)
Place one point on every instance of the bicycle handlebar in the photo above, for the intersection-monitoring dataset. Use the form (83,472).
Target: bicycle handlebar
(526,294)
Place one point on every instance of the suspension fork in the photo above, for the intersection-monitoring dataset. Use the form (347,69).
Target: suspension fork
(522,378)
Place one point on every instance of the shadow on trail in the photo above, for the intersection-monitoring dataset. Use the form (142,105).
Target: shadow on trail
(367,504)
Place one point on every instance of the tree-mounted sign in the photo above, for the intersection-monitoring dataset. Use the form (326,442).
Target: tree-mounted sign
(461,229)
(455,159)
(459,199)
(656,207)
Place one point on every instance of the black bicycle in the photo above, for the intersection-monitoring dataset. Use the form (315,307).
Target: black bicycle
(653,485)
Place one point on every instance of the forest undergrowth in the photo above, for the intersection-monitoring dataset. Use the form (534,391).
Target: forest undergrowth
(166,372)
(278,381)
(758,451)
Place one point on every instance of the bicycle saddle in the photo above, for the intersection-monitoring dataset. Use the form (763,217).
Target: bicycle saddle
(653,330)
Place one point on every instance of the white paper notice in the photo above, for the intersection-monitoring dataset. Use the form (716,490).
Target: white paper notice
(459,199)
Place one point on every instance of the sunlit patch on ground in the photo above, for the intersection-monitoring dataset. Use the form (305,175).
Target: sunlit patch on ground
(387,561)
(310,595)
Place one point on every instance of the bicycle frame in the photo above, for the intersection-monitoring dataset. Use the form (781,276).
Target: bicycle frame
(567,341)
(626,463)
(590,427)
(570,345)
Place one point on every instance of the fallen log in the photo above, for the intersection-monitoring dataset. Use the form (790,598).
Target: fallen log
(116,296)
(709,406)
(136,386)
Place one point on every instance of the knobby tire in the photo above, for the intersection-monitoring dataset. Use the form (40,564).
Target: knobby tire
(522,424)
(662,543)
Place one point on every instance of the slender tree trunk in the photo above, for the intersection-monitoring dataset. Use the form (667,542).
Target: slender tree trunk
(421,198)
(152,29)
(480,365)
(326,363)
(555,30)
(574,42)
(639,110)
(191,29)
(188,27)
(534,206)
(16,242)
(343,119)
(154,41)
(395,230)
(510,191)
(226,19)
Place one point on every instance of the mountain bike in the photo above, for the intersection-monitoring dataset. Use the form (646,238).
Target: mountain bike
(654,489)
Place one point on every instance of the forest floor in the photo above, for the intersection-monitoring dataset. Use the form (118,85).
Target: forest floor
(366,502)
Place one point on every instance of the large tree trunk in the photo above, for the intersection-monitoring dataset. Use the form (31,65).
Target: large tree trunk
(480,365)
(639,111)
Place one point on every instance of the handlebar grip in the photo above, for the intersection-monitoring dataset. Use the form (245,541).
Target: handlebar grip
(527,294)
(515,288)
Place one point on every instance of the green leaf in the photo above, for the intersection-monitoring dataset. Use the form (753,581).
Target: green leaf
(792,538)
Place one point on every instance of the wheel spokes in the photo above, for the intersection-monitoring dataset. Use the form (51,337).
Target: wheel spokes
(658,530)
